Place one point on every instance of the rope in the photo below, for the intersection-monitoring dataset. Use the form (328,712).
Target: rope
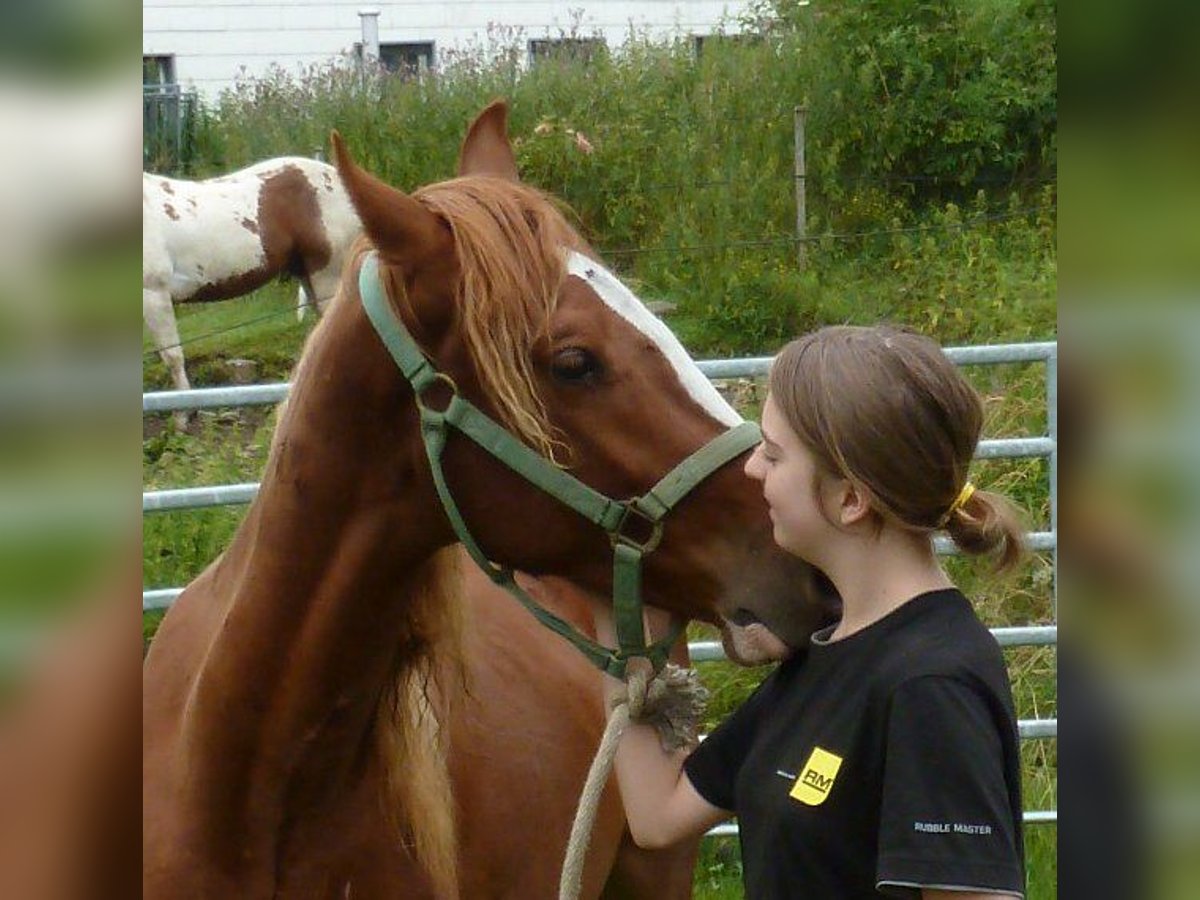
(673,703)
(585,817)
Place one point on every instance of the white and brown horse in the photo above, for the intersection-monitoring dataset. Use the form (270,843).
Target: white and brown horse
(227,236)
(324,715)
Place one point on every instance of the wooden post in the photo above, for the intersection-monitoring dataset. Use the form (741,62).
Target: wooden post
(801,213)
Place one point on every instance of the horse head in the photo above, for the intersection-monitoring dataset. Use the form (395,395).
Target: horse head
(518,316)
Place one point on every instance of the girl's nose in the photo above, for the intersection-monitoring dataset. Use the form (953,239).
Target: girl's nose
(751,468)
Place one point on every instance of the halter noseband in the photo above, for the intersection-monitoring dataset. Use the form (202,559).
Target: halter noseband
(614,516)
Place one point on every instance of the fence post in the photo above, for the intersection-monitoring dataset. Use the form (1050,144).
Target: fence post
(1052,432)
(801,212)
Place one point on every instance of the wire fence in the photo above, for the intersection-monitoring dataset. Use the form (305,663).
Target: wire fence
(972,221)
(855,180)
(782,240)
(229,329)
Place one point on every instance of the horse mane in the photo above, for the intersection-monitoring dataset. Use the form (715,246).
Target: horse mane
(509,238)
(428,673)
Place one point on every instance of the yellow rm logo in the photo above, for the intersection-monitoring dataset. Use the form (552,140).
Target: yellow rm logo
(816,778)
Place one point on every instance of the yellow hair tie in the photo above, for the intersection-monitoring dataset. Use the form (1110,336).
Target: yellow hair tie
(960,501)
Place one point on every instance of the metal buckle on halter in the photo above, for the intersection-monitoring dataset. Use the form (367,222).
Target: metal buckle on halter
(633,511)
(419,393)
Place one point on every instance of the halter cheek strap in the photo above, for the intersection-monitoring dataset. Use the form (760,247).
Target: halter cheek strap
(617,517)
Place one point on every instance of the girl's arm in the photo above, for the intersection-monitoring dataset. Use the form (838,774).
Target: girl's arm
(661,805)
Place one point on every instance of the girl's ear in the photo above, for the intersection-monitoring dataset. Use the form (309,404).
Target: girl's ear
(853,502)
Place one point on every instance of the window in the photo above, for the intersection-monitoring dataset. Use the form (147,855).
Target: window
(158,70)
(408,59)
(582,50)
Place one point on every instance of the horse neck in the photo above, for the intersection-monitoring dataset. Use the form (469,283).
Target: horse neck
(327,595)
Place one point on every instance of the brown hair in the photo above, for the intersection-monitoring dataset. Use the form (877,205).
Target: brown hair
(886,408)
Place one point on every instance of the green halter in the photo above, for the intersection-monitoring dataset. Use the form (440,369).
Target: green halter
(614,516)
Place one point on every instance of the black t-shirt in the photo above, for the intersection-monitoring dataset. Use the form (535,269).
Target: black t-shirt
(883,762)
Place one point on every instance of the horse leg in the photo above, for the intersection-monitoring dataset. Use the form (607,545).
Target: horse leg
(322,285)
(160,319)
(305,298)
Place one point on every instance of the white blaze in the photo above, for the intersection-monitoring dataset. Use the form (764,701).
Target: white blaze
(624,303)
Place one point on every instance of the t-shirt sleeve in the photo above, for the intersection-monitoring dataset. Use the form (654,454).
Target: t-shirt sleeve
(947,818)
(713,767)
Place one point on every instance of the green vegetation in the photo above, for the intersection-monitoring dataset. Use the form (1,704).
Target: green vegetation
(931,151)
(931,197)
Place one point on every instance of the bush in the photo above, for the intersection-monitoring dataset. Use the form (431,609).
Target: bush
(930,134)
(926,98)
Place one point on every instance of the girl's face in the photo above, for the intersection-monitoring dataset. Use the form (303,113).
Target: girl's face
(789,475)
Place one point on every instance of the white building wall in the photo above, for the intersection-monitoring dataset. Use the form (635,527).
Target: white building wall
(215,41)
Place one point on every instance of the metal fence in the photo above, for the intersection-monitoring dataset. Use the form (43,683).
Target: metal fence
(168,128)
(1045,540)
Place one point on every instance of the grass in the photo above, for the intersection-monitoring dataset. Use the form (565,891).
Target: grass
(261,326)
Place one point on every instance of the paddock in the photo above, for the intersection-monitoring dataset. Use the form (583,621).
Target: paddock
(1042,540)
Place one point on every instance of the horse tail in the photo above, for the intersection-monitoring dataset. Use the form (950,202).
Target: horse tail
(413,741)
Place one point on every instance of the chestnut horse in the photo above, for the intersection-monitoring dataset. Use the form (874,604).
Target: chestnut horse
(228,236)
(300,696)
(520,740)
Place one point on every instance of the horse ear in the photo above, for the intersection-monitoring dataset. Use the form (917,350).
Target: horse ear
(404,231)
(486,149)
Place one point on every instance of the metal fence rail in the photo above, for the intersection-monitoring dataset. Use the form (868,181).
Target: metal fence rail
(701,651)
(717,369)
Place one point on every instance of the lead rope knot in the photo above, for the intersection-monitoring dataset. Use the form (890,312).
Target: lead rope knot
(673,702)
(637,692)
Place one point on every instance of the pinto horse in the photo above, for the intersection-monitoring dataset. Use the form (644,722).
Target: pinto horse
(228,236)
(315,702)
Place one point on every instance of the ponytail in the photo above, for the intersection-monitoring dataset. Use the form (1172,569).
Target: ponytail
(988,523)
(887,408)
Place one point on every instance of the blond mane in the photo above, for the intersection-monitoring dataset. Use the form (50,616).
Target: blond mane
(510,240)
(430,673)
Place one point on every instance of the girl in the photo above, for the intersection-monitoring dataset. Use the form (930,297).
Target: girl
(884,758)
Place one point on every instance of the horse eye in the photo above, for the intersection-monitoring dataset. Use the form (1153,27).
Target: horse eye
(574,364)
